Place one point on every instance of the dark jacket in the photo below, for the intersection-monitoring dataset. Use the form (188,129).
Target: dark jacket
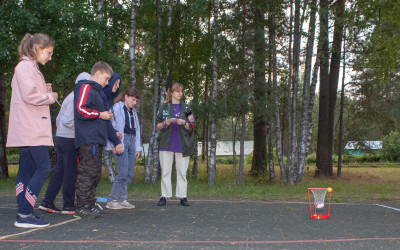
(186,137)
(108,96)
(88,104)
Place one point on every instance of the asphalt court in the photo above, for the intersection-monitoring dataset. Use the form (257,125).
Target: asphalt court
(210,225)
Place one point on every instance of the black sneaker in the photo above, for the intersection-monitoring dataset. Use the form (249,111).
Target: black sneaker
(68,210)
(49,207)
(162,201)
(184,202)
(87,212)
(99,209)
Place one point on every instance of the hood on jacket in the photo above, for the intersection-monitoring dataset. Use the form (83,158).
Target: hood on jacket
(82,76)
(108,88)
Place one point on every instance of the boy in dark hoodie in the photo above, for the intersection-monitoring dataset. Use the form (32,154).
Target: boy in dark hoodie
(91,119)
(110,91)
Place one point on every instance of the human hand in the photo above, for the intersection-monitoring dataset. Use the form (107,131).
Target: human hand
(55,95)
(48,86)
(180,121)
(168,122)
(106,115)
(137,154)
(118,149)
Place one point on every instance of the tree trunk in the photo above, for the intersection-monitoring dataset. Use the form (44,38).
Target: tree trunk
(132,44)
(289,97)
(339,169)
(234,148)
(243,79)
(3,155)
(335,69)
(157,83)
(99,17)
(214,93)
(259,163)
(278,134)
(306,109)
(295,83)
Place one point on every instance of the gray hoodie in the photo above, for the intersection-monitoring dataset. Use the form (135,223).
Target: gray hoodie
(65,118)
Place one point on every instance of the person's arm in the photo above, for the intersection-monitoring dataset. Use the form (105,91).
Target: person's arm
(29,86)
(84,96)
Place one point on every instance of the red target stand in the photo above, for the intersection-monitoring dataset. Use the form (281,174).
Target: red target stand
(317,204)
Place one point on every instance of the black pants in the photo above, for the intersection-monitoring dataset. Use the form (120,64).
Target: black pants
(89,173)
(64,173)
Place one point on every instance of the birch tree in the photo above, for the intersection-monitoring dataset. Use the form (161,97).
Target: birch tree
(152,154)
(213,124)
(132,44)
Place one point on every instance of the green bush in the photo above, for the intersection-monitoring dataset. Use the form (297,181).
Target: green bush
(249,157)
(311,158)
(391,147)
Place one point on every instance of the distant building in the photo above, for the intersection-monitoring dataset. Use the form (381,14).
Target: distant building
(362,147)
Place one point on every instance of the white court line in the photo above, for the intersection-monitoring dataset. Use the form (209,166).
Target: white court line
(388,207)
(36,229)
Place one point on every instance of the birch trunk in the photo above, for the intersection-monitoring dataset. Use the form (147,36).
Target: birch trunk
(278,137)
(132,45)
(156,105)
(213,140)
(244,87)
(305,125)
(295,83)
(339,169)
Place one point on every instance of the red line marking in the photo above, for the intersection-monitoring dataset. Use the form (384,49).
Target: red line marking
(198,241)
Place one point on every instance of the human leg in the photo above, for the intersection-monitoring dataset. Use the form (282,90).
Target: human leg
(108,166)
(40,164)
(70,167)
(166,159)
(182,164)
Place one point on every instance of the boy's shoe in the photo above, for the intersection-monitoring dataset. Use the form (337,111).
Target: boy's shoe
(99,209)
(68,210)
(126,204)
(162,201)
(114,205)
(30,222)
(184,202)
(87,212)
(49,207)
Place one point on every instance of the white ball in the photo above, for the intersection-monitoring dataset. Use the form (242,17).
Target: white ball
(319,206)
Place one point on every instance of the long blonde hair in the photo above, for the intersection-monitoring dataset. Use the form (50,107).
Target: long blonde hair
(27,47)
(174,87)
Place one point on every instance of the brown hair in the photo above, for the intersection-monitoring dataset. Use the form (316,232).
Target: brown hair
(174,87)
(103,67)
(27,47)
(130,92)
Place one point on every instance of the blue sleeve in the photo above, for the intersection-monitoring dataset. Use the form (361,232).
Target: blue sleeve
(112,134)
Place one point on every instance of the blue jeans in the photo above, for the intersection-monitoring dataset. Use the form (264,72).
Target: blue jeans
(34,167)
(125,168)
(64,173)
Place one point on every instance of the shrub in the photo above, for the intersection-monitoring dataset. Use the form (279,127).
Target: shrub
(391,147)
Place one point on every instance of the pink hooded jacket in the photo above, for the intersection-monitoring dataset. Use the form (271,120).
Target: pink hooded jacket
(29,120)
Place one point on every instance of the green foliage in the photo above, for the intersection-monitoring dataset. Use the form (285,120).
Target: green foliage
(249,158)
(391,147)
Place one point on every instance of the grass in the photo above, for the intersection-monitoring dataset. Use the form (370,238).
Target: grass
(363,182)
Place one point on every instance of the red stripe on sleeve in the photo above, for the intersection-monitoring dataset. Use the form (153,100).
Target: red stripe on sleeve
(81,104)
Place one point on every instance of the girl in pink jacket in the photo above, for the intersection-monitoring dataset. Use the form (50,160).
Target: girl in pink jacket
(29,126)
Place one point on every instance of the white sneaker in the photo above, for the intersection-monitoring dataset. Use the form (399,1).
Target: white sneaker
(126,204)
(114,205)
